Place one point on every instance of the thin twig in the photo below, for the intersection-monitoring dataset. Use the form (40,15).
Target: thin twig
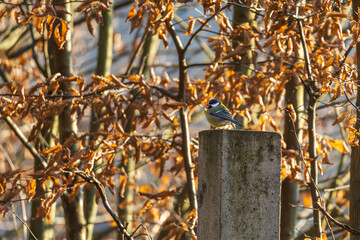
(7,157)
(183,78)
(25,224)
(332,104)
(336,222)
(313,93)
(344,59)
(34,52)
(146,234)
(203,45)
(25,142)
(312,181)
(136,53)
(165,92)
(251,8)
(100,188)
(337,188)
(348,99)
(201,27)
(17,130)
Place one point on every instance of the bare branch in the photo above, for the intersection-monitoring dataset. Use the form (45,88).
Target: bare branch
(24,141)
(313,96)
(25,224)
(342,225)
(17,130)
(182,61)
(251,8)
(201,27)
(138,227)
(312,184)
(165,92)
(136,53)
(100,188)
(344,59)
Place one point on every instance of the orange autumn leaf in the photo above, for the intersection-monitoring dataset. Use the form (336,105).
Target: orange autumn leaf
(54,149)
(323,236)
(122,186)
(134,78)
(339,145)
(190,27)
(343,116)
(31,189)
(61,33)
(307,200)
(145,207)
(2,185)
(150,121)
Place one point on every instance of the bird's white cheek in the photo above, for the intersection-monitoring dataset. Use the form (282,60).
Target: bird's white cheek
(215,104)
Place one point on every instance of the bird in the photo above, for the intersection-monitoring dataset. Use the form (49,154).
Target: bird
(218,115)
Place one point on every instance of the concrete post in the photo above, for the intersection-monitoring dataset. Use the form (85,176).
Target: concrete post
(239,185)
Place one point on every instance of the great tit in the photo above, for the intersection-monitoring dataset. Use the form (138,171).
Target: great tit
(218,115)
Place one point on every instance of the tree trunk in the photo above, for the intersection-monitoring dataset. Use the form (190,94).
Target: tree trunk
(43,228)
(244,15)
(104,61)
(125,209)
(245,64)
(355,154)
(61,62)
(290,190)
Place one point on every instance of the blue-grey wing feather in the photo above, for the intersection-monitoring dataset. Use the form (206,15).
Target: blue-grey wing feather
(225,115)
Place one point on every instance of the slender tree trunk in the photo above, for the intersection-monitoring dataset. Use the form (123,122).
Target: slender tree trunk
(105,49)
(43,228)
(313,95)
(150,49)
(355,154)
(313,164)
(61,62)
(181,97)
(289,189)
(125,209)
(244,15)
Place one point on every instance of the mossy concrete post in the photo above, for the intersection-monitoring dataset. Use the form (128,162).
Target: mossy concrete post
(239,185)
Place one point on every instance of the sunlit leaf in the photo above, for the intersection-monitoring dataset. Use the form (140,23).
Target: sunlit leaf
(31,189)
(341,118)
(339,145)
(190,27)
(150,121)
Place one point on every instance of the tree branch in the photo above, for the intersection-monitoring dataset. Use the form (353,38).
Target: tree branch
(17,131)
(313,95)
(313,183)
(25,224)
(201,27)
(100,188)
(183,77)
(336,222)
(24,141)
(136,53)
(165,92)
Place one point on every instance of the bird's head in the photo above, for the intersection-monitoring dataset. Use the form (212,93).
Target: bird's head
(213,103)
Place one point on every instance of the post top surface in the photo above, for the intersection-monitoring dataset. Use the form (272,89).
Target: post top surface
(239,132)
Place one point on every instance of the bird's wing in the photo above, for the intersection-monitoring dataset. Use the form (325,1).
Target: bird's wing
(226,116)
